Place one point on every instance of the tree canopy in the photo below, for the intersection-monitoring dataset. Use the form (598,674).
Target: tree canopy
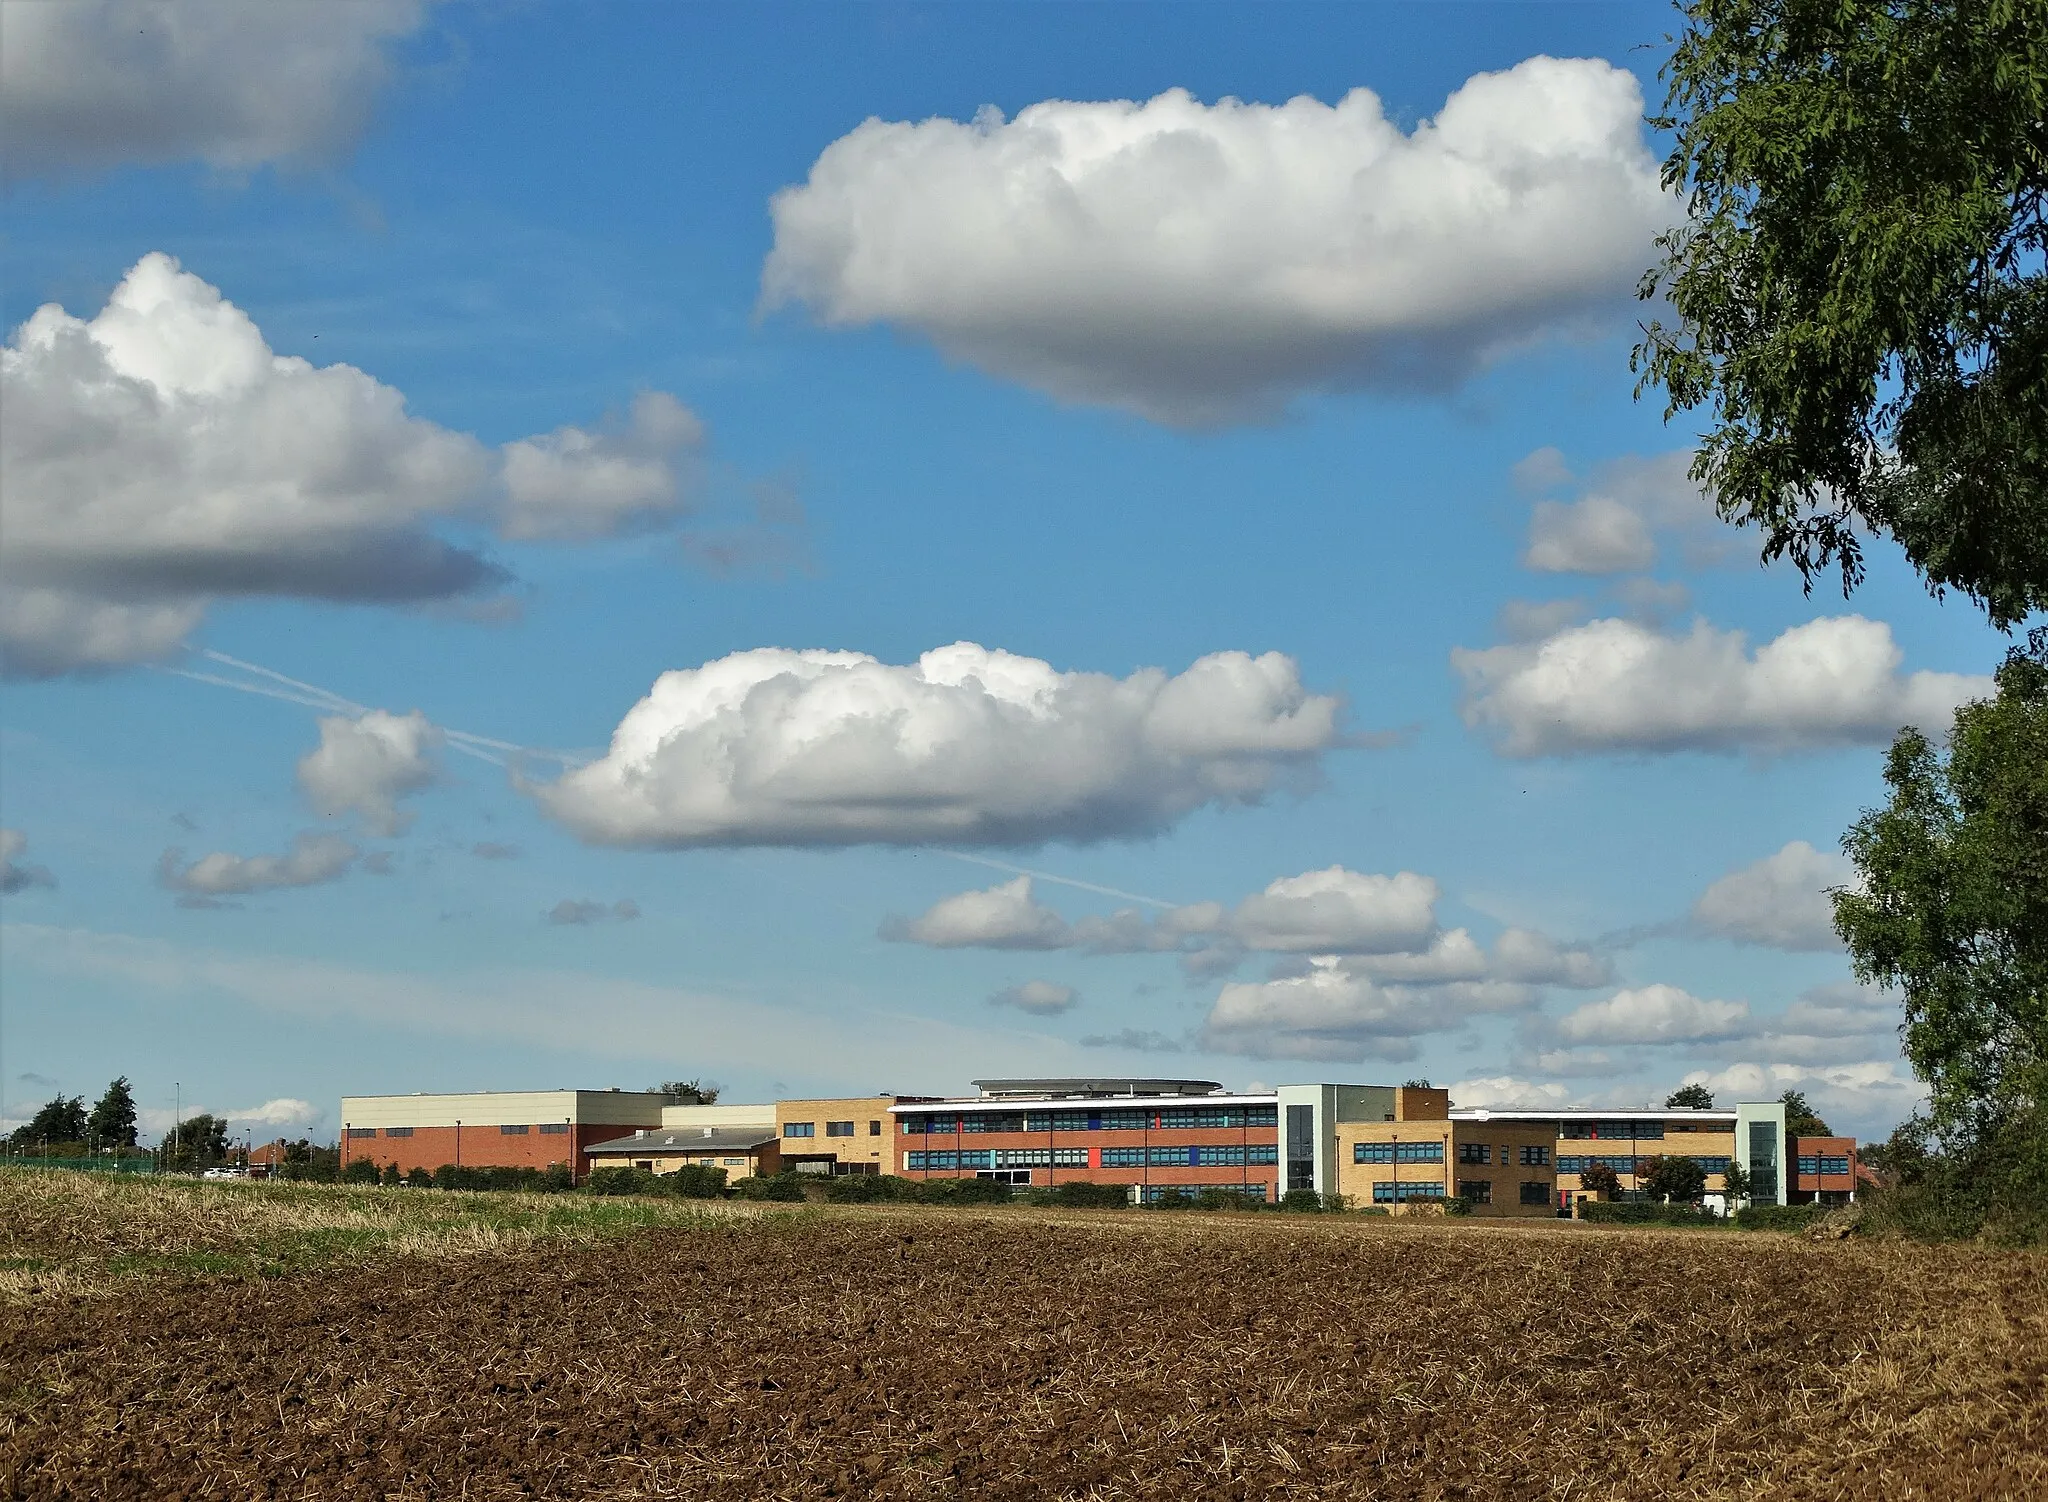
(61,1119)
(197,1139)
(1690,1098)
(1675,1178)
(1859,281)
(688,1092)
(1954,908)
(112,1122)
(1801,1120)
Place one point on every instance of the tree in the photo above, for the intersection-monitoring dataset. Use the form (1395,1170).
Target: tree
(1801,1120)
(1953,913)
(112,1122)
(688,1092)
(1690,1098)
(196,1140)
(61,1120)
(1735,1184)
(1600,1178)
(1673,1178)
(1859,281)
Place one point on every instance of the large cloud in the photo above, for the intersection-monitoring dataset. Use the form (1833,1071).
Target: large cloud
(1041,998)
(19,875)
(966,746)
(1656,1014)
(161,455)
(1780,902)
(1614,685)
(1204,263)
(1004,916)
(313,860)
(233,83)
(1864,1098)
(365,764)
(1339,912)
(1335,1012)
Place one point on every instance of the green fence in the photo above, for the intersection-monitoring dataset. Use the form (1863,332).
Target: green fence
(87,1165)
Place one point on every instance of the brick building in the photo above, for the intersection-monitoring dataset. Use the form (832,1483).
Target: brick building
(492,1129)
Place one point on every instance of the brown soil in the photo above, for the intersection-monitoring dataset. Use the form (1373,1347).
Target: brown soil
(899,1355)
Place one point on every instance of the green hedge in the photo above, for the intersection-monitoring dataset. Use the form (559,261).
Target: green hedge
(1780,1217)
(1627,1213)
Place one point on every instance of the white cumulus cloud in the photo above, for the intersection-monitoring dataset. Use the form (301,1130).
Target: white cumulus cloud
(1004,916)
(966,746)
(1339,912)
(313,859)
(1613,525)
(1335,1012)
(1656,1014)
(1779,902)
(1504,1092)
(18,875)
(572,483)
(1864,1098)
(161,455)
(1041,998)
(1617,686)
(366,763)
(283,1112)
(1202,264)
(88,84)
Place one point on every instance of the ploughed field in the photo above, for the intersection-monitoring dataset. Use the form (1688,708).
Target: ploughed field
(1031,1354)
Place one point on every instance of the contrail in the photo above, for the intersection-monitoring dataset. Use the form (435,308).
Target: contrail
(1065,881)
(312,696)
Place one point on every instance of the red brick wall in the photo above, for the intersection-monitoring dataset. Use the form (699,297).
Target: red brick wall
(481,1147)
(1265,1175)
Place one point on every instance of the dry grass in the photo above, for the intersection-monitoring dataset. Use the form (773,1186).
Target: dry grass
(907,1354)
(69,1233)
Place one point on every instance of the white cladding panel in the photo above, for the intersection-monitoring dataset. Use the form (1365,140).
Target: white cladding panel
(504,1108)
(724,1118)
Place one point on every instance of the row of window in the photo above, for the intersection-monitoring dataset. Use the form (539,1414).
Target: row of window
(1175,1119)
(1574,1163)
(1152,1194)
(1397,1152)
(1008,1157)
(1224,1155)
(507,1129)
(1387,1192)
(832,1129)
(1641,1131)
(1823,1164)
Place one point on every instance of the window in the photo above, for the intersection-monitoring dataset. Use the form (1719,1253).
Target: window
(1535,1157)
(1126,1121)
(509,1130)
(362,1131)
(554,1128)
(407,1132)
(734,1162)
(838,1129)
(1476,1191)
(1387,1193)
(1397,1152)
(874,1129)
(1151,1194)
(1230,1154)
(1833,1165)
(1301,1147)
(1648,1131)
(799,1129)
(1809,1165)
(918,1162)
(1475,1152)
(1535,1192)
(1042,1157)
(992,1121)
(1571,1163)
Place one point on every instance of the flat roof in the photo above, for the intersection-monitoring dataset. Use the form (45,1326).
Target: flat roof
(985,1104)
(1562,1113)
(1097,1087)
(686,1139)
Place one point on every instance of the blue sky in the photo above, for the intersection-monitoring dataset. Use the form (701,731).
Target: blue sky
(1262,379)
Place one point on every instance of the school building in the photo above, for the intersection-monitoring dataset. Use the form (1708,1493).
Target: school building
(1382,1145)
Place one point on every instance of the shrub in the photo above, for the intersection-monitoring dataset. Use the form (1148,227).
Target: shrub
(1792,1218)
(1081,1194)
(1645,1213)
(1171,1198)
(391,1177)
(698,1181)
(1302,1202)
(963,1192)
(360,1171)
(558,1178)
(419,1178)
(621,1181)
(786,1187)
